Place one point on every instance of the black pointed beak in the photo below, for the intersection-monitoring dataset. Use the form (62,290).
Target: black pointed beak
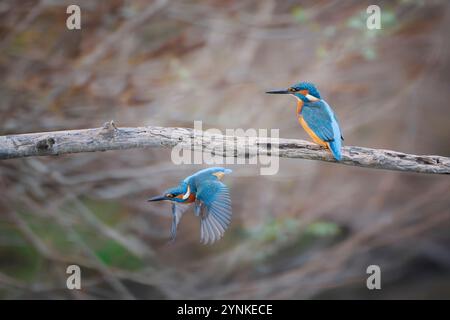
(157,198)
(278,92)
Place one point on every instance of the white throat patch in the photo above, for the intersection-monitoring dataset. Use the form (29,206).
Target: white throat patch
(311,97)
(187,194)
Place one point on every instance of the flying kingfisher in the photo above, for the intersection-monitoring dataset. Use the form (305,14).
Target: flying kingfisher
(211,200)
(316,116)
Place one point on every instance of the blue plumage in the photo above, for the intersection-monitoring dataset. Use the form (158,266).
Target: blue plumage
(316,116)
(215,197)
(211,198)
(322,120)
(310,87)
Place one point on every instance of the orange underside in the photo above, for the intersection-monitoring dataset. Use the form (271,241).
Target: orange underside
(190,199)
(311,133)
(308,130)
(299,106)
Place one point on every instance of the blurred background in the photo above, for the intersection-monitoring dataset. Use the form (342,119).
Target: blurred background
(308,232)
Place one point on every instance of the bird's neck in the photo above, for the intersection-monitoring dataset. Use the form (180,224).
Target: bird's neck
(300,104)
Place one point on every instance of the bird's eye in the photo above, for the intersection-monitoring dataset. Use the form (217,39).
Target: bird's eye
(169,195)
(292,90)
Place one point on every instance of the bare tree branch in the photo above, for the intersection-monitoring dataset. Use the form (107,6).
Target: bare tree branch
(109,137)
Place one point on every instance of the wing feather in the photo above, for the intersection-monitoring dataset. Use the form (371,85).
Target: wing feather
(177,213)
(215,197)
(322,121)
(211,237)
(217,224)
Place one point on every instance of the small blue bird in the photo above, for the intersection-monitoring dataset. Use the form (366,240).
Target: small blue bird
(212,203)
(316,116)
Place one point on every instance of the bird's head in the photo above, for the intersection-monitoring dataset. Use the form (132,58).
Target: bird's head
(179,193)
(305,91)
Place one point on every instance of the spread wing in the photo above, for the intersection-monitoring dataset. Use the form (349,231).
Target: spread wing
(321,120)
(214,206)
(177,212)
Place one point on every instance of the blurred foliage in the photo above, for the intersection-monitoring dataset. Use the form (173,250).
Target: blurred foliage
(299,14)
(367,39)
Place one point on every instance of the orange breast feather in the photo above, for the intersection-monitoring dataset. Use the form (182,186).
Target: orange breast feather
(311,133)
(190,199)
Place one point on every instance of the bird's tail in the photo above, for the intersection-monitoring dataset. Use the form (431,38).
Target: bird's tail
(335,148)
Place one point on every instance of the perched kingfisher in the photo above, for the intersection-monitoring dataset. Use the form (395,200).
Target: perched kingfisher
(211,200)
(316,116)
